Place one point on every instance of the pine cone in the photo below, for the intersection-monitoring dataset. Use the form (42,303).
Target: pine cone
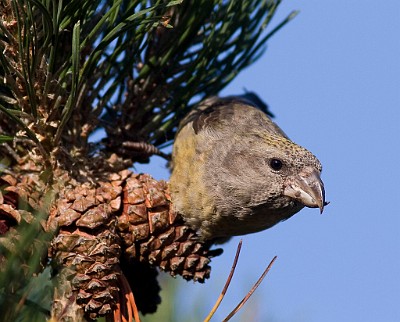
(152,232)
(18,199)
(9,214)
(129,216)
(88,242)
(23,242)
(107,235)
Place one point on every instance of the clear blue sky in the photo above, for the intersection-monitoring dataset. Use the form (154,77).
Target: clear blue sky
(332,78)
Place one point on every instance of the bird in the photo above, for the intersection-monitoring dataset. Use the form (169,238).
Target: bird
(235,172)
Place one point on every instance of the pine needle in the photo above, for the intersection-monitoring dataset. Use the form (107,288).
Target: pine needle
(250,293)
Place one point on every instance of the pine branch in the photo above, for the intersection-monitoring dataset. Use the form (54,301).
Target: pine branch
(133,68)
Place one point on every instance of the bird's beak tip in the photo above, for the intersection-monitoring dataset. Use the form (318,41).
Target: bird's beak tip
(322,207)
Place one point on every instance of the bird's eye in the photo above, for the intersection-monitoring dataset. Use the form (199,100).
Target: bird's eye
(276,164)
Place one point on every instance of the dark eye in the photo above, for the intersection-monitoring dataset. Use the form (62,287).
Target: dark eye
(276,164)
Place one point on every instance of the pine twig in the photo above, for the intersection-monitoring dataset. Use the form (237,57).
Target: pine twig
(129,305)
(250,293)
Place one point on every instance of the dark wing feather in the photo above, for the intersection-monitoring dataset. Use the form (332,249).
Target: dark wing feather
(217,112)
(213,111)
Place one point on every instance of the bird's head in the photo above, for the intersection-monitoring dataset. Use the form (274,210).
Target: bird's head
(267,171)
(295,170)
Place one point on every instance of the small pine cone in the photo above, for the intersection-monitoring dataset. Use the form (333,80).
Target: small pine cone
(9,214)
(153,233)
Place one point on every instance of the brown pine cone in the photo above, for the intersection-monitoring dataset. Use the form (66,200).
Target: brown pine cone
(9,214)
(128,216)
(152,232)
(110,238)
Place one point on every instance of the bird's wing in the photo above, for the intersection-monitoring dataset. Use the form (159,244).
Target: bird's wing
(209,113)
(216,112)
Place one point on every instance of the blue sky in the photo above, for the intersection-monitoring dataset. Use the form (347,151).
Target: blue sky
(332,78)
